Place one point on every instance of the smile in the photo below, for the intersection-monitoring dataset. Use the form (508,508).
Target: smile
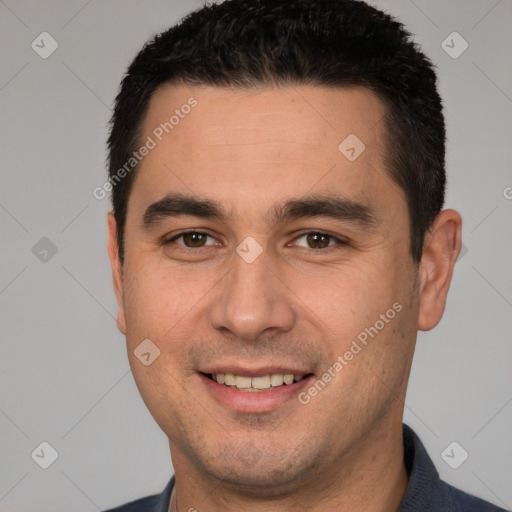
(254,391)
(255,384)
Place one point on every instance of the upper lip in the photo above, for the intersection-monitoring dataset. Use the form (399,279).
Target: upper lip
(253,372)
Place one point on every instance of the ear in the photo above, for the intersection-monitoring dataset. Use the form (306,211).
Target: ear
(440,251)
(117,270)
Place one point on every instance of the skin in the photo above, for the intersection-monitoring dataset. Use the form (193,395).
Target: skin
(294,305)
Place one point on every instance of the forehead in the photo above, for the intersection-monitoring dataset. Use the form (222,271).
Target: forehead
(261,144)
(244,116)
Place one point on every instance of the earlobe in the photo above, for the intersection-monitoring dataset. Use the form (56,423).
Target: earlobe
(440,251)
(117,270)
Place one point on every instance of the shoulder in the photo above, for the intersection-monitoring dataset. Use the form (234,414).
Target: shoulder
(468,503)
(426,491)
(147,504)
(155,503)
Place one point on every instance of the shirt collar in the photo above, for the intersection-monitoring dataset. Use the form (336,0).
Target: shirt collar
(425,488)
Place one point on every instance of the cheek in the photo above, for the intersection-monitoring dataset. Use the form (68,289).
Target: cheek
(347,298)
(161,391)
(158,298)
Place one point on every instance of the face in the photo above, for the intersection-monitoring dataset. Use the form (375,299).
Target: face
(256,249)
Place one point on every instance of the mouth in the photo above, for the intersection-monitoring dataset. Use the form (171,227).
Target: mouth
(259,383)
(255,392)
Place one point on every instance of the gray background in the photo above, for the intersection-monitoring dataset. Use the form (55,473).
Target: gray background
(64,371)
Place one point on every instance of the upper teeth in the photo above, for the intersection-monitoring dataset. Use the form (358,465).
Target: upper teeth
(255,383)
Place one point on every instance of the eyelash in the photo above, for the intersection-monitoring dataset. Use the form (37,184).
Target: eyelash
(339,241)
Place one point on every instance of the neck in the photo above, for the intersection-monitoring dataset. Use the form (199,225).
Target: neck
(371,478)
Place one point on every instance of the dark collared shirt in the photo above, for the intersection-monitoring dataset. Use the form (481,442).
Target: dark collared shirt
(426,492)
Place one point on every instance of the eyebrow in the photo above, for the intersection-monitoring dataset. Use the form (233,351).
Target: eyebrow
(330,206)
(175,205)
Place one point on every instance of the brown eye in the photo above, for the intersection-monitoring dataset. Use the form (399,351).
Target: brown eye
(192,239)
(318,240)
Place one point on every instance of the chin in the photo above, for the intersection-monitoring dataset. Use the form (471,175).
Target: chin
(259,483)
(266,476)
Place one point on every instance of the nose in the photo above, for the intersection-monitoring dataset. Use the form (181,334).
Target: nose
(253,301)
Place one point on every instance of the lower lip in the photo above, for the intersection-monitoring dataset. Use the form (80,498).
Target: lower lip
(254,401)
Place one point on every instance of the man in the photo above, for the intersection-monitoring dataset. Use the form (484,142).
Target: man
(277,240)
